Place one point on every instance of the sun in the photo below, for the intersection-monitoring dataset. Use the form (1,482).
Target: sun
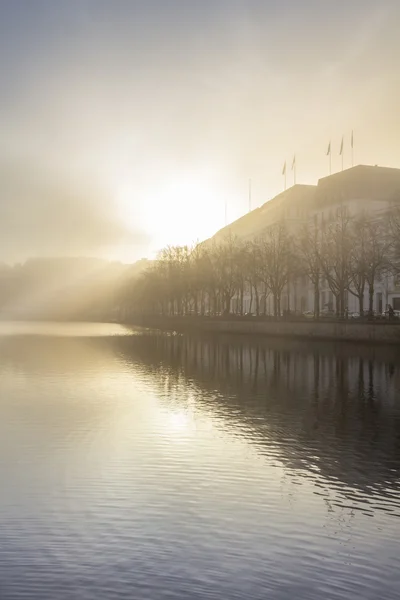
(184,211)
(181,210)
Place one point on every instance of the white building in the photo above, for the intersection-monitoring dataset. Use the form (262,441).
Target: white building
(371,190)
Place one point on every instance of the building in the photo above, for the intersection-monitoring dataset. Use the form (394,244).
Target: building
(370,190)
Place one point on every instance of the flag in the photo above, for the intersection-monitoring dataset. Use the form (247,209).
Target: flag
(294,162)
(329,149)
(352,139)
(341,148)
(284,169)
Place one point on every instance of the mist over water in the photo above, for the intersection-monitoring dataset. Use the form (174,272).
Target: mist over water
(151,465)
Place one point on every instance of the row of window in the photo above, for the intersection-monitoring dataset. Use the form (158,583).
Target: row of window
(322,218)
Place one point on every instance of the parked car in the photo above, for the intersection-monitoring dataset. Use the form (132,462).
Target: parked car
(308,314)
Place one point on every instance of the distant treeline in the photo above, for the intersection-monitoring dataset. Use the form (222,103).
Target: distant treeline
(63,288)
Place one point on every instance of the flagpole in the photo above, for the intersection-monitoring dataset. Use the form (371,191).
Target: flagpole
(284,175)
(329,153)
(342,150)
(294,169)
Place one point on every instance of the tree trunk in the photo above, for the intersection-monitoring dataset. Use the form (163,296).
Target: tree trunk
(227,308)
(371,299)
(251,299)
(341,305)
(277,302)
(215,304)
(196,304)
(361,303)
(257,300)
(337,304)
(316,300)
(265,298)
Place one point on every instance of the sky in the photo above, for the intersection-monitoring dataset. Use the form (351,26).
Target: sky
(128,125)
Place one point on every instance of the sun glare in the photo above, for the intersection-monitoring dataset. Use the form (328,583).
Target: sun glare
(181,211)
(184,211)
(178,420)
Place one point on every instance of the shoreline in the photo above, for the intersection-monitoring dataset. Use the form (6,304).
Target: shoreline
(337,331)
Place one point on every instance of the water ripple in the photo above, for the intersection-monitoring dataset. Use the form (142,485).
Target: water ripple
(154,466)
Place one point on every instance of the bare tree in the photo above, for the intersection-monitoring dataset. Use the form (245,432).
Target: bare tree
(309,251)
(224,260)
(392,227)
(359,260)
(253,273)
(335,257)
(350,254)
(378,257)
(277,262)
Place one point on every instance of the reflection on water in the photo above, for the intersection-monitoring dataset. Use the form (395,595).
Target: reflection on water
(165,466)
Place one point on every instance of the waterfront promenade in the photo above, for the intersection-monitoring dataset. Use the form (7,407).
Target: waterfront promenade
(378,332)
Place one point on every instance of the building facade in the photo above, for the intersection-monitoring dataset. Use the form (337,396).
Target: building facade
(362,190)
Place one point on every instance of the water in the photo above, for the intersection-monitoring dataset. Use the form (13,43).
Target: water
(153,466)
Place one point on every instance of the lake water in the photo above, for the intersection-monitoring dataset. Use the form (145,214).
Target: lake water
(141,465)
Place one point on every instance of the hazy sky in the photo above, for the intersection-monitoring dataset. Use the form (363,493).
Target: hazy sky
(127,124)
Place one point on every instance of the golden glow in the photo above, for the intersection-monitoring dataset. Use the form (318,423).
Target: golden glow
(182,210)
(178,421)
(164,121)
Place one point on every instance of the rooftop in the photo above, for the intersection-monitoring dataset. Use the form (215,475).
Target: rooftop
(359,182)
(255,221)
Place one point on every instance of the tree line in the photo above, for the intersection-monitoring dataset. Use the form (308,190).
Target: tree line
(344,254)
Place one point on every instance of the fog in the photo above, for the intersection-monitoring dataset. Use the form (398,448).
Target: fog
(46,213)
(106,107)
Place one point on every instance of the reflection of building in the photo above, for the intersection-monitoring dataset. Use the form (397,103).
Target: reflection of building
(363,189)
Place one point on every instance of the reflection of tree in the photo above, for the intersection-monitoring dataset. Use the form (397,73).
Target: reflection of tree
(327,413)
